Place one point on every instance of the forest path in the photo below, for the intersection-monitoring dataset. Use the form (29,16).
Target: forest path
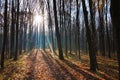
(42,65)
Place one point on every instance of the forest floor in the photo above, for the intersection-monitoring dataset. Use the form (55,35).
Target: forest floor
(40,65)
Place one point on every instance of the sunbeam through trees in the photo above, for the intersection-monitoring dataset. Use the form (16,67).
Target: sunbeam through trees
(60,39)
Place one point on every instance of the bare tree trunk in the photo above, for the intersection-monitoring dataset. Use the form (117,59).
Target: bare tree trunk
(43,30)
(70,28)
(101,29)
(107,31)
(17,27)
(93,31)
(78,29)
(65,27)
(115,14)
(92,55)
(57,31)
(5,34)
(12,31)
(50,25)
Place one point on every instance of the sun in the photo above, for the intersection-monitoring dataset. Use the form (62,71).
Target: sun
(38,19)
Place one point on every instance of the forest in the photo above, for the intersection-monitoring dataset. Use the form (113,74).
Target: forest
(59,39)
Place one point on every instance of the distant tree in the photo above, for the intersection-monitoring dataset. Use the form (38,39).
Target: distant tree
(12,30)
(50,25)
(65,28)
(78,27)
(43,10)
(70,27)
(101,28)
(108,31)
(17,30)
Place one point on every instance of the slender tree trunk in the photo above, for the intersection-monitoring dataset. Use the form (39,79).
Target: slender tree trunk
(43,30)
(70,28)
(50,25)
(17,27)
(5,34)
(107,31)
(101,29)
(12,31)
(78,29)
(65,27)
(21,35)
(25,35)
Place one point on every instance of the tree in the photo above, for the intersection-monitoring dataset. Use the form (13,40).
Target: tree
(65,28)
(78,27)
(5,34)
(101,28)
(50,25)
(57,31)
(43,27)
(12,30)
(93,29)
(70,27)
(92,55)
(107,31)
(115,14)
(17,27)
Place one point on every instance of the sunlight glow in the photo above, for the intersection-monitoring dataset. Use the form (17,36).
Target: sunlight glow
(38,19)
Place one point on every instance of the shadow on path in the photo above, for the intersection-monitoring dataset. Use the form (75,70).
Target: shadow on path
(71,65)
(57,70)
(31,65)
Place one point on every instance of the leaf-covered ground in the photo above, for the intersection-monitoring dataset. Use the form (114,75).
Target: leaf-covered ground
(40,65)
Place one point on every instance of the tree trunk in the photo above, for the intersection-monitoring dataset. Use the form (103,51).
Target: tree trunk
(12,31)
(57,31)
(115,14)
(101,29)
(93,31)
(5,34)
(70,28)
(17,27)
(92,55)
(107,31)
(78,29)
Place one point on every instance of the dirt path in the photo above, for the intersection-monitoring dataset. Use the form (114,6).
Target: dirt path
(42,66)
(36,68)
